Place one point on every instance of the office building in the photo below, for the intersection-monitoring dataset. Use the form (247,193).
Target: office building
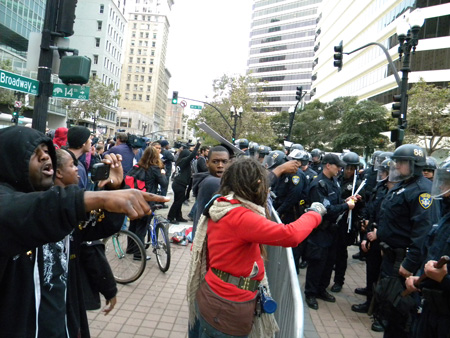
(281,49)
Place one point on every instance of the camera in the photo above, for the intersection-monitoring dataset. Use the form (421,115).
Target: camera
(100,172)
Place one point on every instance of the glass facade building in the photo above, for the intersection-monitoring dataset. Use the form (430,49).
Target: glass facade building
(282,49)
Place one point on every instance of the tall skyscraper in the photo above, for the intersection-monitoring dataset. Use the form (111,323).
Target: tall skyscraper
(281,49)
(144,82)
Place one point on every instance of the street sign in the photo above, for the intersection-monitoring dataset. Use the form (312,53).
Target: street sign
(183,104)
(18,83)
(70,92)
(196,107)
(18,104)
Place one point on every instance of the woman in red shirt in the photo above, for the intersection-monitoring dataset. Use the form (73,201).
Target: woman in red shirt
(227,269)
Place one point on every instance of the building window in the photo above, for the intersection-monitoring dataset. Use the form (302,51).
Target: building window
(128,86)
(99,25)
(102,9)
(134,97)
(151,61)
(131,60)
(138,60)
(128,77)
(131,51)
(94,74)
(140,97)
(154,35)
(149,79)
(97,42)
(142,78)
(153,53)
(150,70)
(95,59)
(130,69)
(136,78)
(149,88)
(147,97)
(127,96)
(153,44)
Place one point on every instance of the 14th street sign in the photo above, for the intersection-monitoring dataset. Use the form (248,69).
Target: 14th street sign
(18,83)
(71,92)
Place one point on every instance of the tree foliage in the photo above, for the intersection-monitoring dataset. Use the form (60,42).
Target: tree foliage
(428,116)
(101,99)
(239,91)
(343,123)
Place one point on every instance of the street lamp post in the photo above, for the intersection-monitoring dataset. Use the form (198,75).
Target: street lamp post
(236,114)
(144,126)
(408,37)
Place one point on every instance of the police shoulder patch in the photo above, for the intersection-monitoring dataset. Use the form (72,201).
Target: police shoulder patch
(425,200)
(295,179)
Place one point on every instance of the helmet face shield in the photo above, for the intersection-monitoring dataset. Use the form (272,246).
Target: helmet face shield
(268,162)
(401,169)
(377,162)
(441,184)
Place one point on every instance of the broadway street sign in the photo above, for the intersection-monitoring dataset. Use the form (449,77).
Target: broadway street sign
(18,83)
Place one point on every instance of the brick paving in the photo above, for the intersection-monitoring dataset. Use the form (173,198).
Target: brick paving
(155,305)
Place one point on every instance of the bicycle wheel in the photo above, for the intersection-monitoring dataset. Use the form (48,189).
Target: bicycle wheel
(162,249)
(126,256)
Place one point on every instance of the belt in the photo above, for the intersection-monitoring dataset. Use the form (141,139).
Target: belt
(241,282)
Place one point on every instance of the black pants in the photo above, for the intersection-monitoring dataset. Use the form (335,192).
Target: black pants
(179,191)
(340,248)
(373,261)
(299,254)
(432,324)
(164,189)
(139,227)
(318,273)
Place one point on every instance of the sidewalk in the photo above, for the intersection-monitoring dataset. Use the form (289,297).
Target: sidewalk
(155,305)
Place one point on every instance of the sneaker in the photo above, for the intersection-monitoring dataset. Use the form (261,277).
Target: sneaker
(326,297)
(183,220)
(336,287)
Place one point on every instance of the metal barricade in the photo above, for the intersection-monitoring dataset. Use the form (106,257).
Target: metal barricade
(285,289)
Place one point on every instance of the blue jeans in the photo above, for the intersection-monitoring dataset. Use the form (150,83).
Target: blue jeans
(202,329)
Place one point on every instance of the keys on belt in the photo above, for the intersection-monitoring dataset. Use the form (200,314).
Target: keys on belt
(241,282)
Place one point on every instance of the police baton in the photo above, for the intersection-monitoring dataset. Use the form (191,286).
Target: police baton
(439,264)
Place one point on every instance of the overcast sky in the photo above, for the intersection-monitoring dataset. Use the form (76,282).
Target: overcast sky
(207,38)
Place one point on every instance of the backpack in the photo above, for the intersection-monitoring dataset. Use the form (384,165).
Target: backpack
(194,168)
(135,178)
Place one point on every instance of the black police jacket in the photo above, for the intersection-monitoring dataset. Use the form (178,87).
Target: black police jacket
(328,192)
(290,189)
(406,217)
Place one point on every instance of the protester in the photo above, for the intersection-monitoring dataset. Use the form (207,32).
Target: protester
(235,227)
(32,214)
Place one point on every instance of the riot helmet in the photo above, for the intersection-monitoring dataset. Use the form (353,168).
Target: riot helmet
(296,146)
(429,168)
(380,158)
(374,156)
(274,159)
(316,155)
(242,143)
(299,155)
(351,158)
(263,151)
(383,169)
(408,161)
(441,182)
(253,148)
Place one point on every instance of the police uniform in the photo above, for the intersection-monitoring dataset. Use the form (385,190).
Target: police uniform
(317,167)
(344,237)
(310,174)
(319,254)
(405,220)
(434,321)
(370,175)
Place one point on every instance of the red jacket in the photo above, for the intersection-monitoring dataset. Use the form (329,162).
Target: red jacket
(233,246)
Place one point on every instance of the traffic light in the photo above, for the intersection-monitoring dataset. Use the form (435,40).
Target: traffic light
(15,114)
(233,140)
(397,107)
(175,98)
(397,135)
(298,93)
(66,17)
(338,50)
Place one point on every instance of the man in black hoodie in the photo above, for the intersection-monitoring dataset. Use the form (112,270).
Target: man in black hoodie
(36,297)
(206,184)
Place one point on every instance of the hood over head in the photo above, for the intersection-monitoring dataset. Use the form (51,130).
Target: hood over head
(197,179)
(17,144)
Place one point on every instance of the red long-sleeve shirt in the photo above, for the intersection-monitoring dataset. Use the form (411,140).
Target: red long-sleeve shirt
(233,246)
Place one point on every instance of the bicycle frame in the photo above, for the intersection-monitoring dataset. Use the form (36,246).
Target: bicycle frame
(117,248)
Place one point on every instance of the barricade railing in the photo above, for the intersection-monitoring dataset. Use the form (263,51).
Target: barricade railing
(285,289)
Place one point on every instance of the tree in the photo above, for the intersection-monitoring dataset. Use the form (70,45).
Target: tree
(101,98)
(428,116)
(239,91)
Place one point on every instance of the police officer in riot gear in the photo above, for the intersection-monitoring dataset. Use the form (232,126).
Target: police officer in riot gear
(253,148)
(316,156)
(406,217)
(305,159)
(297,146)
(370,174)
(243,144)
(321,257)
(347,233)
(262,152)
(429,168)
(434,321)
(370,245)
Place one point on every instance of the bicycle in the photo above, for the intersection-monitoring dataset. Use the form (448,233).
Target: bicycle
(121,250)
(158,238)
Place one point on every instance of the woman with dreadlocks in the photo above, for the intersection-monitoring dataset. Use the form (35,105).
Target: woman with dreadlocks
(227,266)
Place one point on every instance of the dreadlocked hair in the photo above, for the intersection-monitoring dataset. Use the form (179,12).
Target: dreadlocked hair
(247,179)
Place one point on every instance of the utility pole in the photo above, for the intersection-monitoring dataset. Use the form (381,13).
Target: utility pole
(45,67)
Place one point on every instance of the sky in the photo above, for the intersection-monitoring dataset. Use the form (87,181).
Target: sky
(207,39)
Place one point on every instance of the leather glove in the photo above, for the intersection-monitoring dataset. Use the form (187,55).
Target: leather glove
(318,207)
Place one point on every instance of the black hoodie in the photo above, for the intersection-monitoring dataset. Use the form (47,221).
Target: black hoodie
(28,220)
